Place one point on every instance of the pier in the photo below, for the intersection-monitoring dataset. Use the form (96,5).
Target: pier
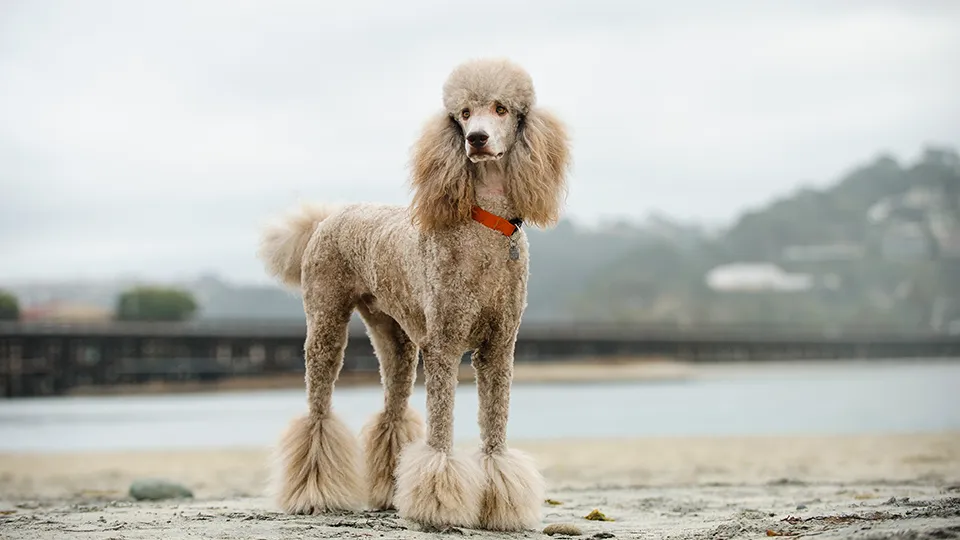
(43,359)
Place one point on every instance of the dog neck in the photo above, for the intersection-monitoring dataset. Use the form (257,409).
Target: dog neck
(490,190)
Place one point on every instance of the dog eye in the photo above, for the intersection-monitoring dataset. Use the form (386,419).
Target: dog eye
(501,110)
(465,114)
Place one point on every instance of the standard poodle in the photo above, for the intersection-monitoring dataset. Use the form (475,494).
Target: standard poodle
(442,277)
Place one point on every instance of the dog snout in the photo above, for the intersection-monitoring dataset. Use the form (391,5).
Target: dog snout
(477,139)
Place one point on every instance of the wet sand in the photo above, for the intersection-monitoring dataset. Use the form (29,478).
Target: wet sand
(585,370)
(904,486)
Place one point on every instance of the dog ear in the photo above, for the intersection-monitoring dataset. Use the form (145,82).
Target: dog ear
(537,167)
(442,176)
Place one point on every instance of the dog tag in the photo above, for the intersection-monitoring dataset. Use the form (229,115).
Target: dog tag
(514,252)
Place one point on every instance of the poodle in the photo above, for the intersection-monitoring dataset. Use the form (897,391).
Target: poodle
(440,278)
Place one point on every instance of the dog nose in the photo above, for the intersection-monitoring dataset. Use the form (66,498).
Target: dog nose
(477,139)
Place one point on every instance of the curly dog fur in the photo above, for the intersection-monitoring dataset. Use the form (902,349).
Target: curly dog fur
(427,280)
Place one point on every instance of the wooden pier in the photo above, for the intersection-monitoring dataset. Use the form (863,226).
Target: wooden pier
(38,359)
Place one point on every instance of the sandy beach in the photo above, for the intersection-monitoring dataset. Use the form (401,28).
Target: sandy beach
(833,487)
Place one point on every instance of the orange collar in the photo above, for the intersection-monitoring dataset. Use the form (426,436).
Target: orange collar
(505,227)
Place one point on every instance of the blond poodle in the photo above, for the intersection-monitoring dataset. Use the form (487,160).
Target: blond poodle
(442,277)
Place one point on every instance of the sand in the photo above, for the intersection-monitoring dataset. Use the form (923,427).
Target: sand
(904,486)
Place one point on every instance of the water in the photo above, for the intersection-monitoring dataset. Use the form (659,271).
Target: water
(838,398)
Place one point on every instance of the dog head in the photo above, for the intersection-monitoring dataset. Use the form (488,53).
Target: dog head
(489,115)
(488,100)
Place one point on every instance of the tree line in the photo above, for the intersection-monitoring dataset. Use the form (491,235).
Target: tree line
(159,304)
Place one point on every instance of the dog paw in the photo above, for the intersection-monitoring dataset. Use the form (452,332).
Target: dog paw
(513,491)
(319,467)
(383,439)
(438,489)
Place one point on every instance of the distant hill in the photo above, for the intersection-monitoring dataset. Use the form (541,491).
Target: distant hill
(839,214)
(879,246)
(565,257)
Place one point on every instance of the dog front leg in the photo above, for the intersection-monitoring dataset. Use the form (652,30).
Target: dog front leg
(435,486)
(514,488)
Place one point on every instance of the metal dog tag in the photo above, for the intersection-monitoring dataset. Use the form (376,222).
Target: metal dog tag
(514,250)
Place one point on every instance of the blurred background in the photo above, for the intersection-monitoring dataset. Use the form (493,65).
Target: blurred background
(764,205)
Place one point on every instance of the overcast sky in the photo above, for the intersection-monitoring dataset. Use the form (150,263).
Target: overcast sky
(154,138)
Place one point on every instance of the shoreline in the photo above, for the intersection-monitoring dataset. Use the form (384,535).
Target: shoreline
(603,370)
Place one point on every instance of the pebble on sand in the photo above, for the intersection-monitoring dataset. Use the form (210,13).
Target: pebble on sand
(597,515)
(152,489)
(566,529)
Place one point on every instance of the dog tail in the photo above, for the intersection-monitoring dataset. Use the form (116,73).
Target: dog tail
(283,243)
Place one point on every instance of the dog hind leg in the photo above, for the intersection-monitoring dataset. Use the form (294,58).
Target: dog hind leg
(320,463)
(398,424)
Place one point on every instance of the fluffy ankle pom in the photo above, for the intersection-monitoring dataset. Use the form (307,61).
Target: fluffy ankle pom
(383,439)
(513,492)
(438,489)
(319,462)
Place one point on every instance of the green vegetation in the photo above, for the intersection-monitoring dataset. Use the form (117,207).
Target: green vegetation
(9,307)
(155,304)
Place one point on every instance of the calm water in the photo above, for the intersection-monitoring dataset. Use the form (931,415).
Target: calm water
(841,398)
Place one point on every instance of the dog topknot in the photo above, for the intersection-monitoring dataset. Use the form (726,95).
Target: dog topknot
(477,81)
